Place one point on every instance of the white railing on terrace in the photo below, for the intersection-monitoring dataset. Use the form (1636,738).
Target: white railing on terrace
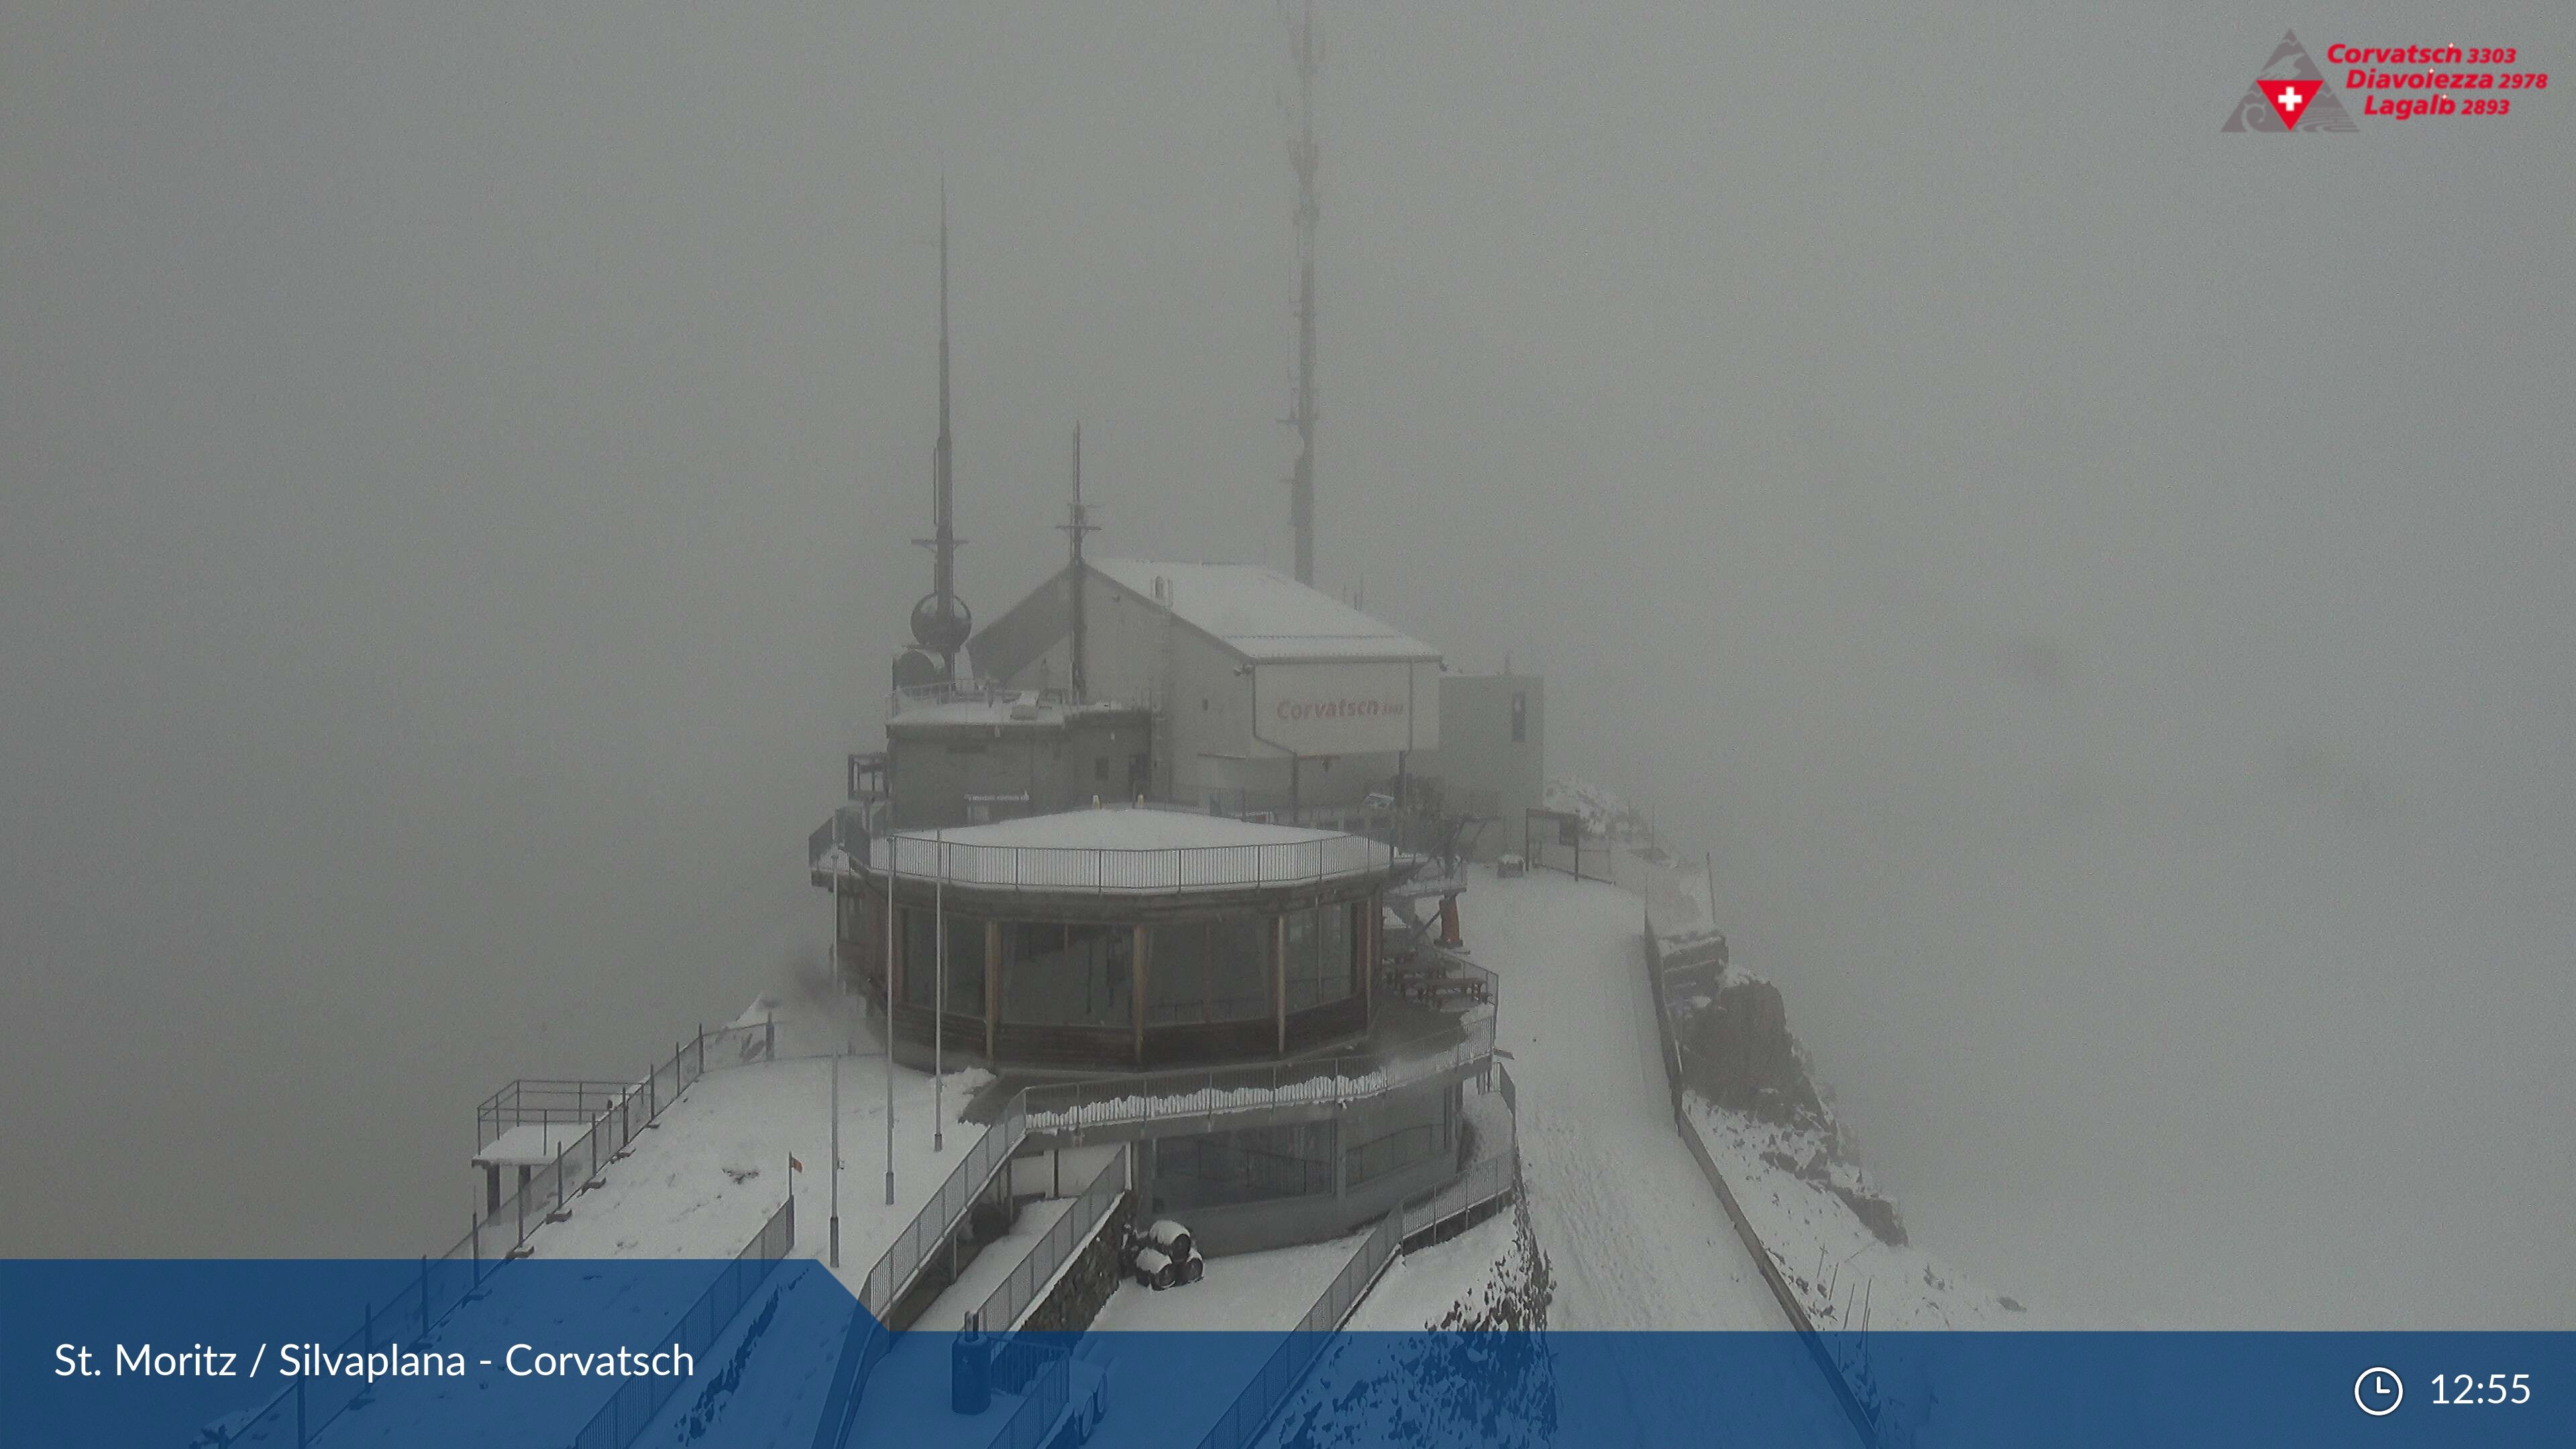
(1112,871)
(1126,1101)
(970,691)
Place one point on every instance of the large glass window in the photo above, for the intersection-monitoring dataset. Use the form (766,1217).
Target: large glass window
(965,960)
(1203,971)
(1254,1165)
(1322,956)
(1055,974)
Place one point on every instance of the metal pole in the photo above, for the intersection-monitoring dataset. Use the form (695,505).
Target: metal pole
(888,975)
(836,1162)
(939,1002)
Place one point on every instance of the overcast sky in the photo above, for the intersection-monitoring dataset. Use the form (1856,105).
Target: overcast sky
(2098,585)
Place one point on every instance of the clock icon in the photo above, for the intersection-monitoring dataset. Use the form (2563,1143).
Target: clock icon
(2378,1391)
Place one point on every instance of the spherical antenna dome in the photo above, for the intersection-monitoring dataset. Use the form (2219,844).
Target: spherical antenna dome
(942,631)
(914,669)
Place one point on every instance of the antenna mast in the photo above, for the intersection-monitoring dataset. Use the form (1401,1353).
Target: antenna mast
(1077,524)
(941,621)
(1308,49)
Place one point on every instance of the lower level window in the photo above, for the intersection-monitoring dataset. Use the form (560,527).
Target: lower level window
(1256,1164)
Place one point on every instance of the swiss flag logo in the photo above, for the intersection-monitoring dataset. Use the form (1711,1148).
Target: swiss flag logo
(2289,98)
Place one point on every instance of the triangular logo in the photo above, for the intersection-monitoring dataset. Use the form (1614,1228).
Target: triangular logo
(2287,96)
(2290,94)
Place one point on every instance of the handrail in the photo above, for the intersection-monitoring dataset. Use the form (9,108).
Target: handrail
(1287,1365)
(632,1407)
(1862,1420)
(1001,1309)
(899,1268)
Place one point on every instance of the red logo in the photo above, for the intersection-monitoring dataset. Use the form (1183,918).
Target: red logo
(2290,99)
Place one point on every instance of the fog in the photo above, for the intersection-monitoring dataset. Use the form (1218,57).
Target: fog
(2096,586)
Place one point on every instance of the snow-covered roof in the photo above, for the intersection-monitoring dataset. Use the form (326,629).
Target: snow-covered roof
(1263,614)
(1125,828)
(1124,850)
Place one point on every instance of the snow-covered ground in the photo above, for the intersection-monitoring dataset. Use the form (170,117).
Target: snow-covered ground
(948,1311)
(701,1182)
(1421,1287)
(1266,1292)
(1837,1266)
(1634,1236)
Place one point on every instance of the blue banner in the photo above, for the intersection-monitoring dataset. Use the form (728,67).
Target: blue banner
(601,1355)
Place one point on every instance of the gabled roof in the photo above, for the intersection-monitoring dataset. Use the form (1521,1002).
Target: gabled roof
(1263,614)
(1259,613)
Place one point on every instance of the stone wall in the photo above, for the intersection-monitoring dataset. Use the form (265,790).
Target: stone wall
(1077,1297)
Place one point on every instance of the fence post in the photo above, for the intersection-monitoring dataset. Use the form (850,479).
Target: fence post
(652,1092)
(559,1162)
(702,1048)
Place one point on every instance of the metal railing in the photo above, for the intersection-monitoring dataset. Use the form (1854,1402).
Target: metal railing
(900,1267)
(1838,1380)
(893,1274)
(1109,870)
(969,691)
(1000,1312)
(1043,1377)
(445,1280)
(546,1100)
(638,1400)
(1494,1176)
(1123,1101)
(1288,1363)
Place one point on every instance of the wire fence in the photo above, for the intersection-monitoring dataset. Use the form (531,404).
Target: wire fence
(638,1400)
(1042,1375)
(900,1267)
(1001,1309)
(619,1112)
(1492,1177)
(1288,1363)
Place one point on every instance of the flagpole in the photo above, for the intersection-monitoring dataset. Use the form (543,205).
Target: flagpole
(888,973)
(839,841)
(836,1160)
(939,1007)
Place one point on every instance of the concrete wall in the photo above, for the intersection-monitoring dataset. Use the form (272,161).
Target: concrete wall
(1478,755)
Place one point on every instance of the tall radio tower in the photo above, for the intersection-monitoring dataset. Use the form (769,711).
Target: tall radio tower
(1308,49)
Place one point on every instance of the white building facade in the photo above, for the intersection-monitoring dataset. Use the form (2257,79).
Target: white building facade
(1267,695)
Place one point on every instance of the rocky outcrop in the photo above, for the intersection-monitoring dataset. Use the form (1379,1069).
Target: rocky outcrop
(1737,1051)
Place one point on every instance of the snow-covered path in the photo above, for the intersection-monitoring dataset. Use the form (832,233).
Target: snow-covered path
(1634,1235)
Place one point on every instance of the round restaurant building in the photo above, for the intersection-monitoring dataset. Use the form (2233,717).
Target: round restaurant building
(1114,939)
